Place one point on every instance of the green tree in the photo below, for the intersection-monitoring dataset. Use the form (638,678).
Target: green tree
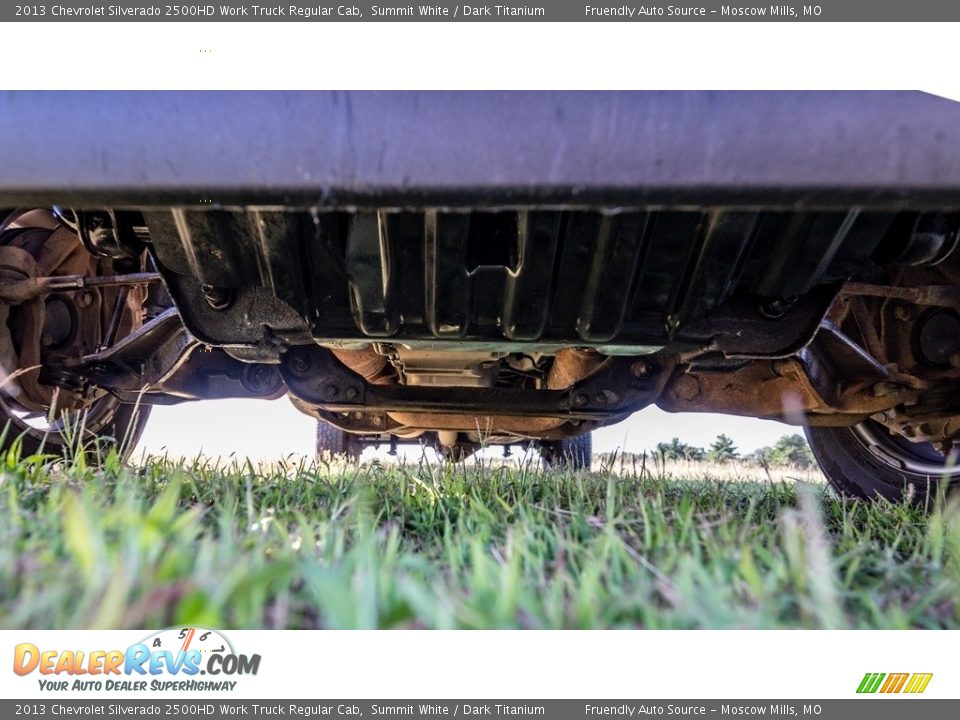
(677,450)
(722,450)
(792,450)
(761,456)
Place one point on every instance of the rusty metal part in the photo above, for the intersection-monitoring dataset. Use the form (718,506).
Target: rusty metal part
(923,423)
(571,365)
(355,422)
(778,390)
(447,438)
(21,291)
(316,376)
(484,423)
(33,218)
(445,368)
(862,362)
(368,364)
(15,264)
(868,328)
(110,335)
(44,256)
(928,295)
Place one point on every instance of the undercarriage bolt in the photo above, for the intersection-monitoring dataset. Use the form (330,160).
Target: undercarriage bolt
(687,388)
(351,393)
(260,378)
(775,308)
(84,298)
(299,363)
(217,297)
(580,399)
(640,369)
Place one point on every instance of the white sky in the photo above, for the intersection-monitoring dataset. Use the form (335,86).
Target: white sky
(270,430)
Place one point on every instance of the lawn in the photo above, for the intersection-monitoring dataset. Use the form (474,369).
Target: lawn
(291,545)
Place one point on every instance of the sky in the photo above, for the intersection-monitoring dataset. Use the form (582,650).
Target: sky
(273,429)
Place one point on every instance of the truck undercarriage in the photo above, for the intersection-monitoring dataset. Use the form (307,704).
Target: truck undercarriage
(473,268)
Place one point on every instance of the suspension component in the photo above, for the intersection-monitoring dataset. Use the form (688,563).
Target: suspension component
(20,291)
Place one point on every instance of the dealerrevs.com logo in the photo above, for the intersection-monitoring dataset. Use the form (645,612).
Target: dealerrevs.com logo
(173,659)
(892,683)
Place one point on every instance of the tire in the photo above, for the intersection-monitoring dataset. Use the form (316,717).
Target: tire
(866,462)
(575,453)
(334,442)
(108,425)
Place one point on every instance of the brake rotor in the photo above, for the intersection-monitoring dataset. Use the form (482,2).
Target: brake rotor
(62,325)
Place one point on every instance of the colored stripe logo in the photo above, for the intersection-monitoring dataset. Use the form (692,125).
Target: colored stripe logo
(913,683)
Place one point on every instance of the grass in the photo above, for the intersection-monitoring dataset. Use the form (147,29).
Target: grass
(234,545)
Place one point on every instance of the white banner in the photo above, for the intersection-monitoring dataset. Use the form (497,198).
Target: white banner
(506,664)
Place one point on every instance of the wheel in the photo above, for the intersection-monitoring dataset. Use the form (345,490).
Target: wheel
(42,416)
(573,453)
(106,424)
(333,442)
(868,462)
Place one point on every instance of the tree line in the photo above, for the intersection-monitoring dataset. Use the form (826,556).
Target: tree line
(789,450)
